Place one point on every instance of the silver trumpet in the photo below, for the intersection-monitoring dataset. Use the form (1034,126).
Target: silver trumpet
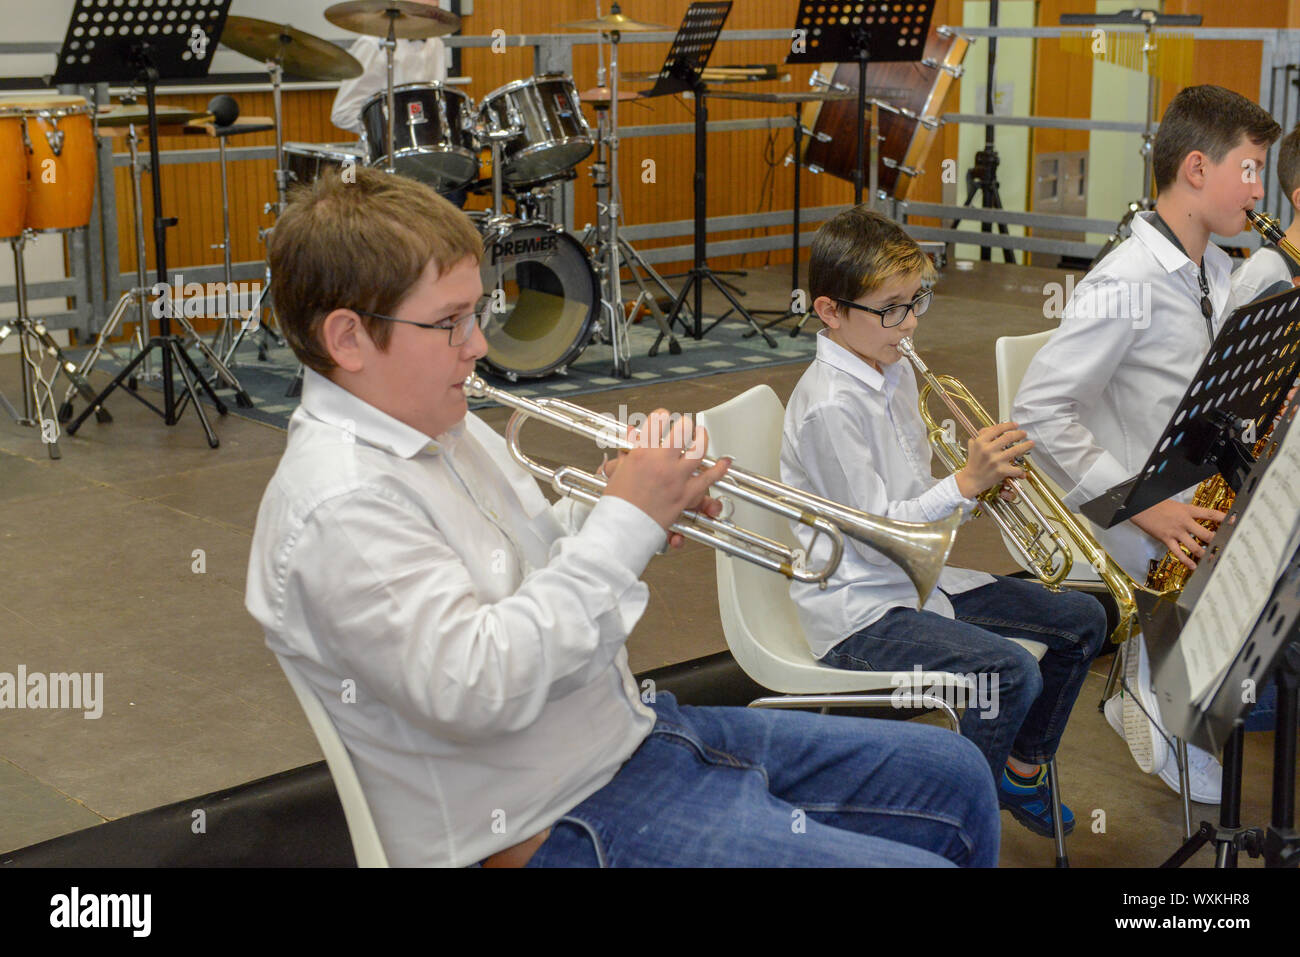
(920,549)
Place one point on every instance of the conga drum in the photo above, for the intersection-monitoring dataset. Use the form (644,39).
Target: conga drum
(60,160)
(13,173)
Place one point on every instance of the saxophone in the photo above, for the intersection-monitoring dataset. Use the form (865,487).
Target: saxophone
(1168,572)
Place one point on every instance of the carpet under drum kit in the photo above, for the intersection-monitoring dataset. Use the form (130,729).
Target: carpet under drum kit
(548,294)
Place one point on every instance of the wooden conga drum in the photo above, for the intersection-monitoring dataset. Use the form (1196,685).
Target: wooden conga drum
(60,160)
(13,174)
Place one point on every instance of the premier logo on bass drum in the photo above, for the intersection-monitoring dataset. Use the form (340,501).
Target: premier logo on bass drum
(520,247)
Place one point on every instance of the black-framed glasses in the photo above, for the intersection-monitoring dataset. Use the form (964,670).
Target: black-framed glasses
(459,330)
(894,315)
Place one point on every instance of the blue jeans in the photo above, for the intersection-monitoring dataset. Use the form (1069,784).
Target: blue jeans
(1030,700)
(741,787)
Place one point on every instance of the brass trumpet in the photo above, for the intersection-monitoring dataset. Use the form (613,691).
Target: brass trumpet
(920,549)
(1037,523)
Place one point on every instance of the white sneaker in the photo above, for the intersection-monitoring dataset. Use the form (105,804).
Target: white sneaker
(1114,711)
(1205,772)
(1145,742)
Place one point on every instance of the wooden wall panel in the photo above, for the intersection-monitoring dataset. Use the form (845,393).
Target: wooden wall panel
(746,171)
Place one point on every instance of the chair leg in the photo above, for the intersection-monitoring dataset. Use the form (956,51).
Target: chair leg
(1058,822)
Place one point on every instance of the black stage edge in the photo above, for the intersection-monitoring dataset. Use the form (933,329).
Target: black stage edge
(294,819)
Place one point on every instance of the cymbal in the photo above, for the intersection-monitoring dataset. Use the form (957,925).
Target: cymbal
(611,22)
(138,113)
(411,21)
(297,52)
(600,94)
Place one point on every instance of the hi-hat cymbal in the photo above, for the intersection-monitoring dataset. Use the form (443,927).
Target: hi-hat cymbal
(611,22)
(410,21)
(297,52)
(600,94)
(126,114)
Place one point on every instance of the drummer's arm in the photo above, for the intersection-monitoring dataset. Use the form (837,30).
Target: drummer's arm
(353,93)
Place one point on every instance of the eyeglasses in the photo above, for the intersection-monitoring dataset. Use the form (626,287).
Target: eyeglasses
(459,331)
(894,314)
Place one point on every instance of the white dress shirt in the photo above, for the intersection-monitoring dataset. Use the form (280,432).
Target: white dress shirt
(855,436)
(414,61)
(1097,397)
(1264,268)
(466,637)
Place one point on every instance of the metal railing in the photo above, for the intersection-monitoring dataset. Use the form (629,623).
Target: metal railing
(94,292)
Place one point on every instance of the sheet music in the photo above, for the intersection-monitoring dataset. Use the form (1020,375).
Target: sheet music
(1248,569)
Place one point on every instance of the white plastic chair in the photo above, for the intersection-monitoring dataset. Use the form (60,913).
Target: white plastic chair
(759,620)
(361,826)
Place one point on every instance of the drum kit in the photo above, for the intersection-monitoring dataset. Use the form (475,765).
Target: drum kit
(546,290)
(550,295)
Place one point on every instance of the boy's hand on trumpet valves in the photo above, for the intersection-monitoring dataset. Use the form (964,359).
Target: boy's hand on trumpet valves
(990,459)
(659,476)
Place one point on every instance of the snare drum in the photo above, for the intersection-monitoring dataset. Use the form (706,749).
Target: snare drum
(548,302)
(554,135)
(60,160)
(13,173)
(433,140)
(307,162)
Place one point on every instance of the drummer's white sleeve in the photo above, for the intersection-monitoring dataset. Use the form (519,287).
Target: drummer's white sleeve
(346,114)
(414,61)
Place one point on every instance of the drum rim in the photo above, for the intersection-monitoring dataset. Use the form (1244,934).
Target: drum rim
(72,105)
(289,148)
(590,141)
(383,94)
(416,150)
(530,81)
(580,343)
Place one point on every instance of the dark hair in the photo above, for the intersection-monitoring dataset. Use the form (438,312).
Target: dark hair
(1288,163)
(1209,119)
(358,240)
(858,251)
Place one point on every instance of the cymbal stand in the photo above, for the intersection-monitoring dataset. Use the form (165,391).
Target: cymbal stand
(35,342)
(390,48)
(636,265)
(613,300)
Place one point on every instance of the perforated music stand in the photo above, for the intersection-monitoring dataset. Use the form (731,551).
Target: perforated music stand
(1243,378)
(853,31)
(1268,647)
(683,70)
(108,41)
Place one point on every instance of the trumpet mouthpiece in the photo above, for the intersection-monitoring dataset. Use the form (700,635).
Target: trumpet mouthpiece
(475,386)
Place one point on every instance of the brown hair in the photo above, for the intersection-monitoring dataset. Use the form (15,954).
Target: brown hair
(1288,163)
(1210,119)
(858,251)
(358,241)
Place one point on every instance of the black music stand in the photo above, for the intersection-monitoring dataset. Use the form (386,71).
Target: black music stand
(683,70)
(1212,712)
(153,40)
(839,31)
(1243,378)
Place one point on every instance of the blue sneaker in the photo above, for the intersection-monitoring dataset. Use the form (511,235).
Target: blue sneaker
(1031,804)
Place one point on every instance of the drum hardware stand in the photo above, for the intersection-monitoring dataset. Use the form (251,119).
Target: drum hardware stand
(144,58)
(33,341)
(609,244)
(1148,20)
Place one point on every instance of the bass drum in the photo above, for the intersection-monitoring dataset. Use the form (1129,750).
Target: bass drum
(542,296)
